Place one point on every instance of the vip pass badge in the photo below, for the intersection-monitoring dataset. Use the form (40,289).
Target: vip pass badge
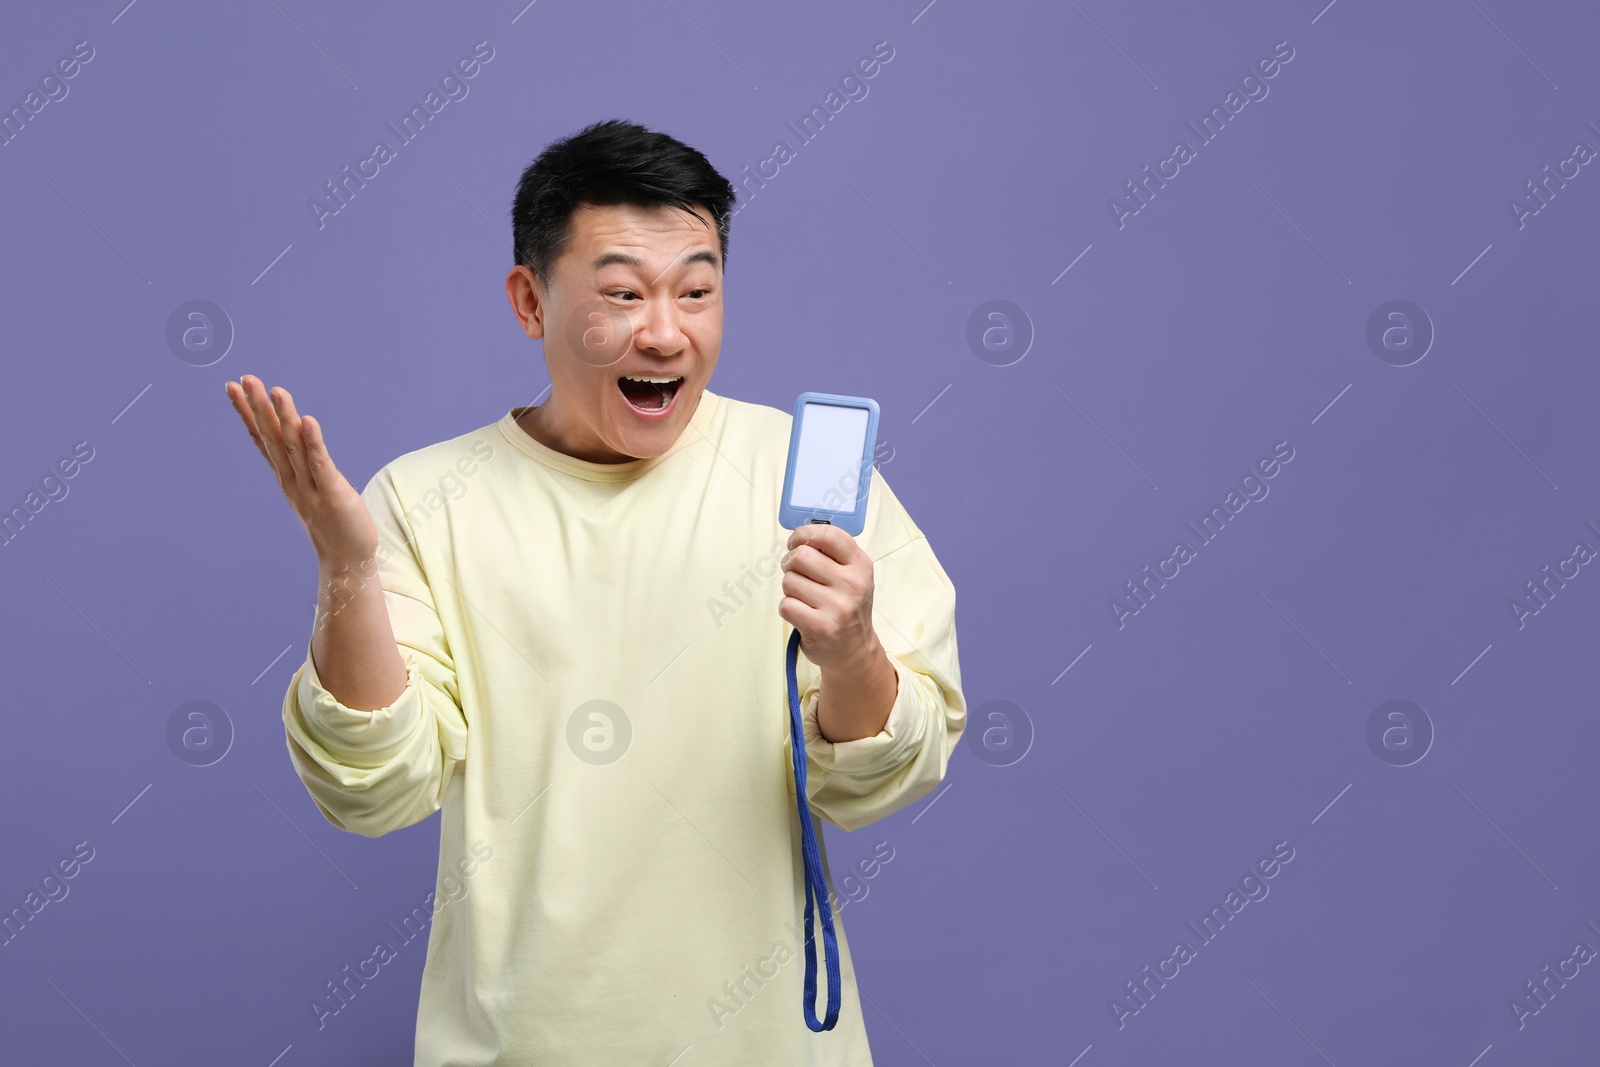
(830,468)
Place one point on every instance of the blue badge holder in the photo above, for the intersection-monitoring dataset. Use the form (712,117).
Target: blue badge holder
(844,413)
(838,414)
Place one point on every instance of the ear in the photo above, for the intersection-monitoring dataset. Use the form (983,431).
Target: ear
(527,300)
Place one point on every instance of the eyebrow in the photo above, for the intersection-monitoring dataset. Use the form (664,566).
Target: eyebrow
(608,258)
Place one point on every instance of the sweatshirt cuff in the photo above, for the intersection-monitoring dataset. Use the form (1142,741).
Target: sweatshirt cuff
(866,755)
(356,737)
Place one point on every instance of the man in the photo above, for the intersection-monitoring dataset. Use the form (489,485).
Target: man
(564,630)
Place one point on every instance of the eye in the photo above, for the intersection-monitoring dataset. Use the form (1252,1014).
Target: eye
(701,291)
(624,292)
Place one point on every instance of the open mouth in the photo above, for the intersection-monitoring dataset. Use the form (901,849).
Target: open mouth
(649,393)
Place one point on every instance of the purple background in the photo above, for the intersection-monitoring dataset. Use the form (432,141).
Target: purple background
(1228,315)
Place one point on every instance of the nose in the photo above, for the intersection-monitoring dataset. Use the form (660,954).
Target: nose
(659,333)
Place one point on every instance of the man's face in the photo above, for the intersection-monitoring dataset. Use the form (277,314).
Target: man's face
(636,294)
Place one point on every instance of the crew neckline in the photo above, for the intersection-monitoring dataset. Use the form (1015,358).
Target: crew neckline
(698,428)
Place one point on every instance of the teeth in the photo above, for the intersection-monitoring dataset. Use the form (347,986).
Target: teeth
(652,381)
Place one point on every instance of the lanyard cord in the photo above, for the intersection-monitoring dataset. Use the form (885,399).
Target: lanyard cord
(816,882)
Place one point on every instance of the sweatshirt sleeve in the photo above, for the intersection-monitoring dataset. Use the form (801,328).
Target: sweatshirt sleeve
(854,783)
(371,772)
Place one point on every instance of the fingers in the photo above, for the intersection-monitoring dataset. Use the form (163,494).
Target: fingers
(799,614)
(270,428)
(317,461)
(816,576)
(810,562)
(803,590)
(818,580)
(293,445)
(240,399)
(827,539)
(267,429)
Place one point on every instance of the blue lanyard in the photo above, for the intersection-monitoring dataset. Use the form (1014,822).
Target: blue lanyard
(816,882)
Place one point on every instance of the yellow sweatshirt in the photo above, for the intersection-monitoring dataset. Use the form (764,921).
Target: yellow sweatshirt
(596,700)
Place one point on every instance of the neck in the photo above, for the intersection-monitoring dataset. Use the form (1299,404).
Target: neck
(546,425)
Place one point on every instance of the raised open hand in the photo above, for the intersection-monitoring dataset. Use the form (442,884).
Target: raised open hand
(335,516)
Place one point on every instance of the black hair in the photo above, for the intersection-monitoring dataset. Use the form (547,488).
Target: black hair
(610,162)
